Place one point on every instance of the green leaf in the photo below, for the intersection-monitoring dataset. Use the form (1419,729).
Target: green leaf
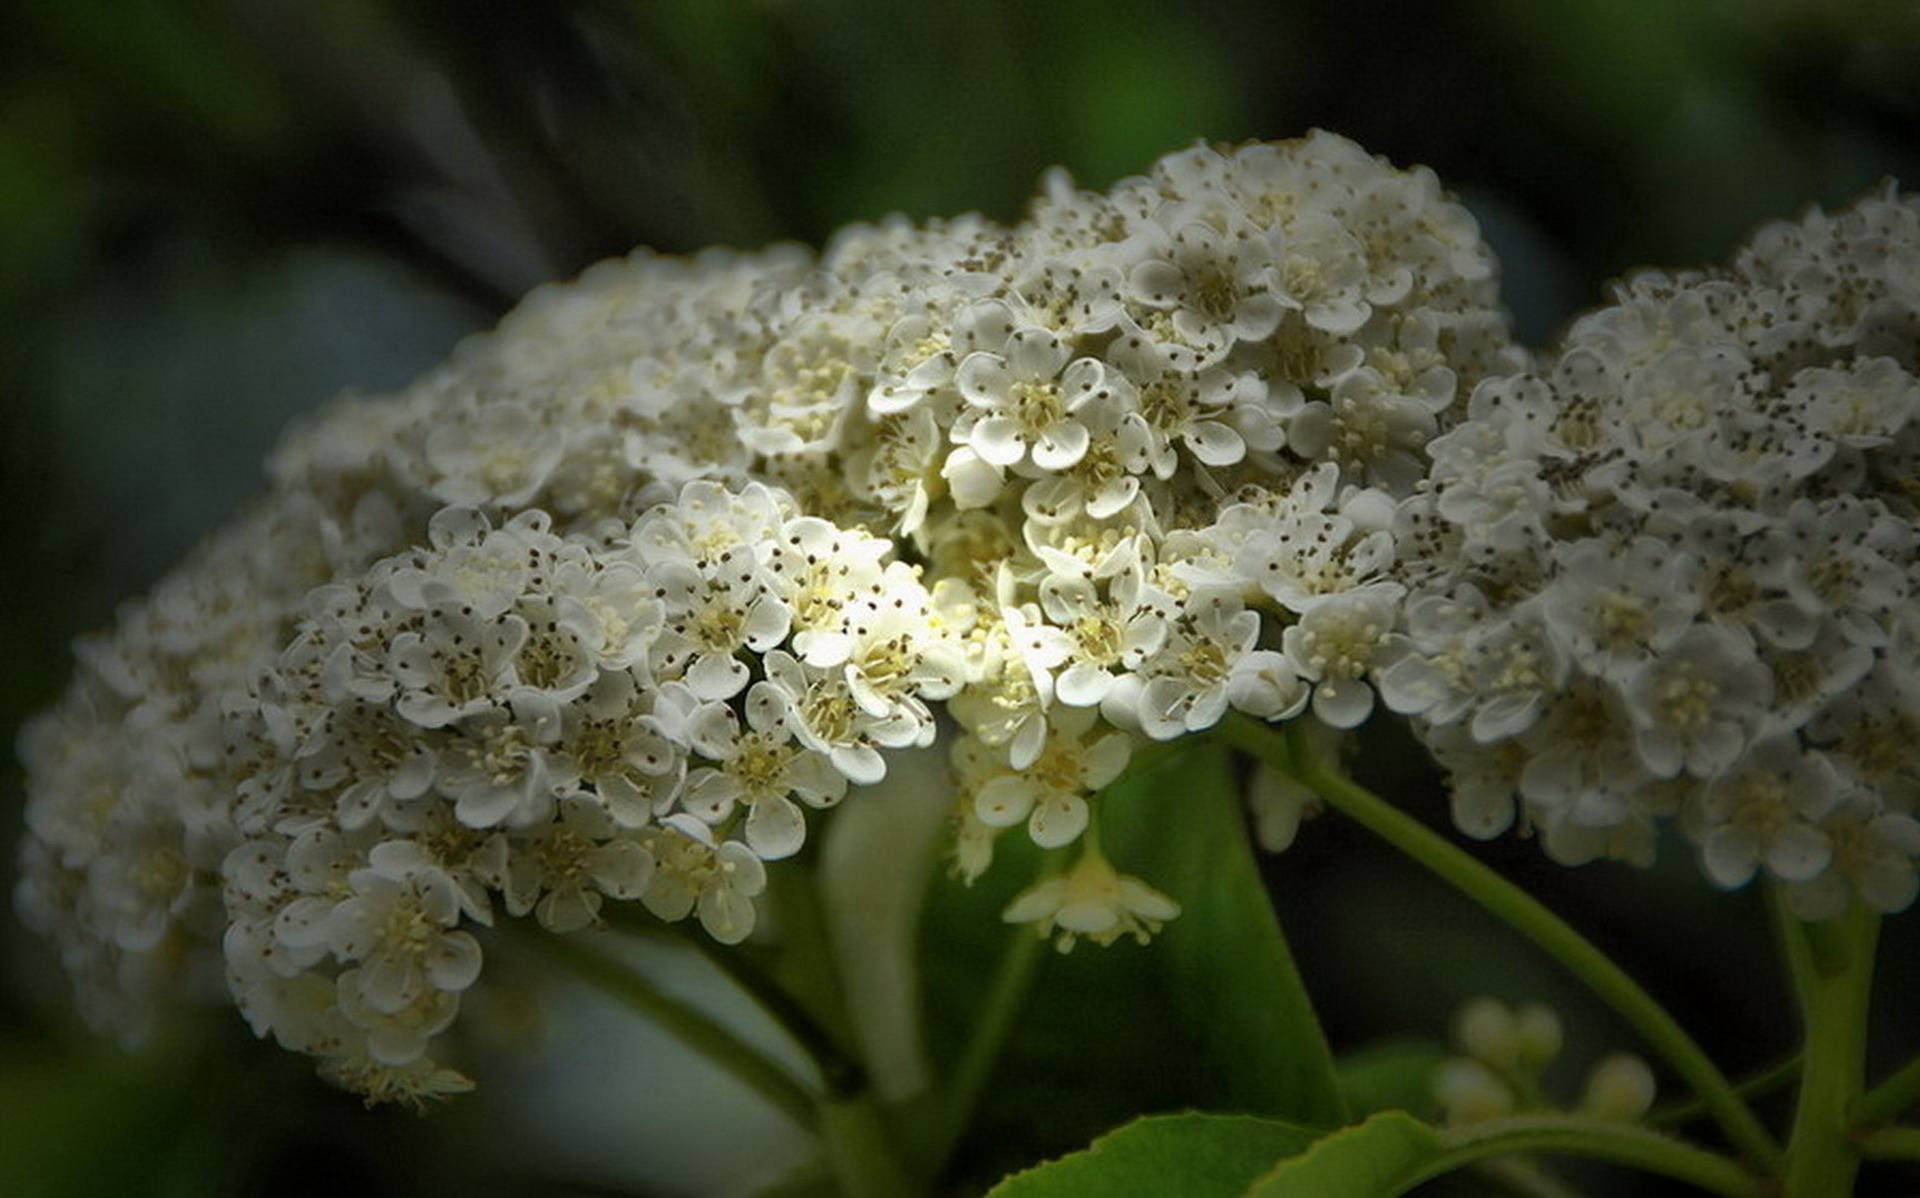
(1375,1159)
(1392,1075)
(1192,1155)
(1180,825)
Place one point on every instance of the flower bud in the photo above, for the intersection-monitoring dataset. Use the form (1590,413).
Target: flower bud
(1469,1092)
(1538,1032)
(1486,1030)
(1620,1087)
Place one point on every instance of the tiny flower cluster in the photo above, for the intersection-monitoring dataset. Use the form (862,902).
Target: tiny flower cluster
(1504,1054)
(551,722)
(129,810)
(1671,573)
(598,609)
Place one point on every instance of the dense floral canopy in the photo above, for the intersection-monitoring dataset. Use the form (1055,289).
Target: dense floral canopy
(602,608)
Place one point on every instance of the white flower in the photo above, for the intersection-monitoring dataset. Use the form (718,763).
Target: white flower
(1482,780)
(1582,746)
(143,880)
(621,605)
(1185,686)
(1266,685)
(1374,435)
(455,666)
(560,655)
(474,565)
(1300,555)
(1874,850)
(493,453)
(1828,558)
(560,870)
(402,710)
(501,768)
(1097,636)
(825,717)
(399,927)
(1050,794)
(1695,706)
(764,768)
(1104,481)
(1766,810)
(1028,403)
(1862,405)
(693,871)
(707,522)
(612,745)
(818,571)
(1321,272)
(1216,286)
(920,357)
(377,759)
(1336,644)
(711,617)
(1094,901)
(897,655)
(903,467)
(1614,610)
(1184,408)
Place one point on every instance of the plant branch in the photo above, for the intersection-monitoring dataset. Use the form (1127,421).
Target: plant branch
(1891,1144)
(1891,1098)
(1006,996)
(1685,1110)
(1594,1139)
(1832,966)
(1526,915)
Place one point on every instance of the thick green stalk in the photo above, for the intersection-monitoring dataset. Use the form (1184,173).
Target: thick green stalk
(1525,914)
(860,1149)
(1832,967)
(690,1027)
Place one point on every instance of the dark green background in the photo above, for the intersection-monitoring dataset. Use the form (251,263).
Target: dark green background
(214,215)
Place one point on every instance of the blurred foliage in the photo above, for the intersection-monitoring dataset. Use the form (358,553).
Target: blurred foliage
(216,213)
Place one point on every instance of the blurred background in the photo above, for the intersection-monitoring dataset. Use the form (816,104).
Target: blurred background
(215,214)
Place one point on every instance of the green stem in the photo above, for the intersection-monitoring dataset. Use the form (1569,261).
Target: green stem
(690,1027)
(1891,1098)
(993,1027)
(860,1150)
(1892,1144)
(1594,1139)
(1832,967)
(1525,914)
(1686,1110)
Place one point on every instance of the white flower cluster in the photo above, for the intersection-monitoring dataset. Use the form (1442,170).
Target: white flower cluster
(1671,573)
(556,722)
(594,611)
(129,812)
